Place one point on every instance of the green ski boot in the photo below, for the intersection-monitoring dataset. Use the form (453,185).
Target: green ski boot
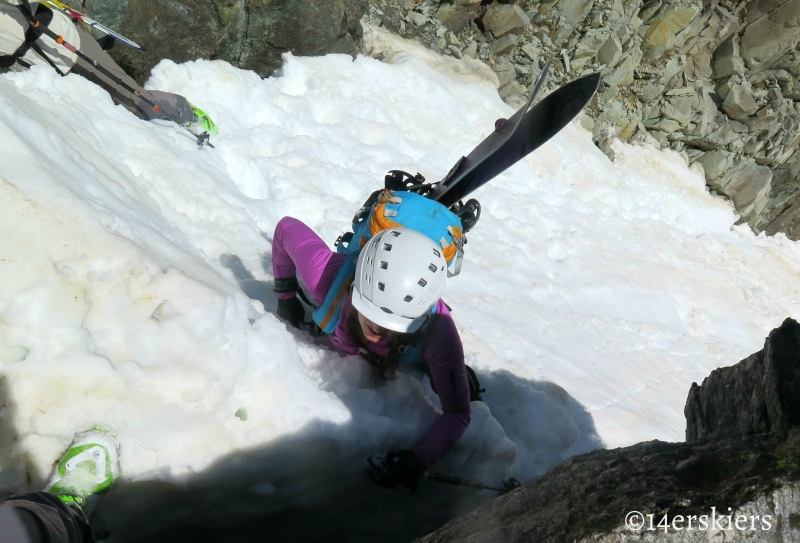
(89,467)
(204,120)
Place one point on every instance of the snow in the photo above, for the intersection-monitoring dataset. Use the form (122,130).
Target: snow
(592,295)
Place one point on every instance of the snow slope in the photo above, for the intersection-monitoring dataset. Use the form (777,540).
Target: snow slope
(593,293)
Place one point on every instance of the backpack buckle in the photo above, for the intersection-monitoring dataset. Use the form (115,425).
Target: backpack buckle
(458,259)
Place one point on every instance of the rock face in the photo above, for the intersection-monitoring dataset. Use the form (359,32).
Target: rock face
(741,460)
(696,76)
(759,395)
(249,34)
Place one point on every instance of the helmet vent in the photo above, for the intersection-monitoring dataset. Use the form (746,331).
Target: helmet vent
(395,233)
(387,246)
(381,286)
(384,265)
(387,310)
(432,267)
(437,253)
(369,261)
(422,282)
(367,278)
(408,298)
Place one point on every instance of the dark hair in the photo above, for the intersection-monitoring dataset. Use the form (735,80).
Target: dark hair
(388,364)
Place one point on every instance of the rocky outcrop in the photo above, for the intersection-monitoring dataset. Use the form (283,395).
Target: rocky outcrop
(738,473)
(759,395)
(716,79)
(248,34)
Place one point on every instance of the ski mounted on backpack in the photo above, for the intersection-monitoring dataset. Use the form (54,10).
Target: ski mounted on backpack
(94,24)
(514,138)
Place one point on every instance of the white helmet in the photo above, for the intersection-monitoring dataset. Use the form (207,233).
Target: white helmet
(400,276)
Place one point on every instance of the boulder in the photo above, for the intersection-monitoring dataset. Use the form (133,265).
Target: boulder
(739,102)
(747,185)
(716,163)
(679,108)
(575,11)
(760,394)
(504,45)
(771,36)
(501,19)
(623,75)
(611,51)
(670,20)
(649,9)
(505,71)
(455,18)
(591,43)
(698,66)
(727,60)
(250,35)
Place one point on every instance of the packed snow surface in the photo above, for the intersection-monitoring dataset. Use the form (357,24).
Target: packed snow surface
(135,281)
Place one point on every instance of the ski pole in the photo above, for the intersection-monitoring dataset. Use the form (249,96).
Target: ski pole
(508,485)
(201,139)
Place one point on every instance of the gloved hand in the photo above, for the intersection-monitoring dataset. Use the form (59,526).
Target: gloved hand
(392,469)
(292,311)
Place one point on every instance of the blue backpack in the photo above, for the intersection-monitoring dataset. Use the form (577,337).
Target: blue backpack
(390,209)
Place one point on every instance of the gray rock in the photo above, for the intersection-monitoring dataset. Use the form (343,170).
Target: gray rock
(531,52)
(455,18)
(505,71)
(666,25)
(562,33)
(649,91)
(471,50)
(623,75)
(591,43)
(512,93)
(727,60)
(773,35)
(502,19)
(663,125)
(575,11)
(758,395)
(649,9)
(698,66)
(716,163)
(747,185)
(611,51)
(504,45)
(249,35)
(739,101)
(679,108)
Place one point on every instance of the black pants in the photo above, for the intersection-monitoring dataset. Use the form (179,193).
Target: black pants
(40,517)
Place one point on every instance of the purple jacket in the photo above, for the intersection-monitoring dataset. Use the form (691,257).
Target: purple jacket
(297,250)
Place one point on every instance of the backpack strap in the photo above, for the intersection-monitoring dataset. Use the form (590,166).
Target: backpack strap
(414,352)
(36,26)
(327,315)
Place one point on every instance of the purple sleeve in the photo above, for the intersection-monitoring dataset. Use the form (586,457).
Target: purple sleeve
(298,251)
(445,357)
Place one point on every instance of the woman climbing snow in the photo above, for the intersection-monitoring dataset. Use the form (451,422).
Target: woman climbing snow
(389,310)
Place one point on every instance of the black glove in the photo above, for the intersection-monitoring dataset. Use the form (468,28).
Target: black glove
(392,469)
(292,311)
